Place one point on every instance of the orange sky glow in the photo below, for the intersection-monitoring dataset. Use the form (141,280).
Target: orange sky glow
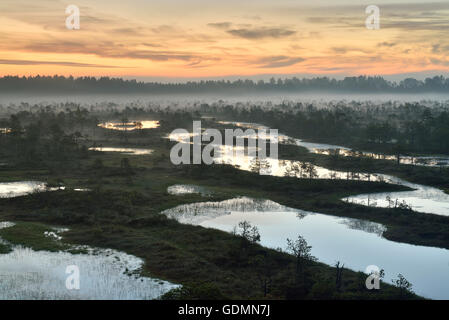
(201,39)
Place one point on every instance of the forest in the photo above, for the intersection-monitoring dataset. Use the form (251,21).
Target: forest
(394,129)
(107,85)
(126,194)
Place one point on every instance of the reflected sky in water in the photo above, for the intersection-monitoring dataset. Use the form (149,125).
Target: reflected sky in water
(328,149)
(183,189)
(131,125)
(423,199)
(23,188)
(104,274)
(128,151)
(356,243)
(20,188)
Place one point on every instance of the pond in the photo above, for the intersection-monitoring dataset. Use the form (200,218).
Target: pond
(23,188)
(104,274)
(330,149)
(356,243)
(128,151)
(423,198)
(20,188)
(183,189)
(130,125)
(426,161)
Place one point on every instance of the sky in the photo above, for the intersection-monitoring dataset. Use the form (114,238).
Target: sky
(210,39)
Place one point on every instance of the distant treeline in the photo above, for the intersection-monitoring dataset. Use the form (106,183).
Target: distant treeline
(60,84)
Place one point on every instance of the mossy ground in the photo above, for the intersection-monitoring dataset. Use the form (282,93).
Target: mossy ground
(122,211)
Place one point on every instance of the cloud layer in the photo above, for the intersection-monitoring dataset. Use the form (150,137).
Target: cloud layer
(202,38)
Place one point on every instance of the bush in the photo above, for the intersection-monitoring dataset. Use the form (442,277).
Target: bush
(323,290)
(205,291)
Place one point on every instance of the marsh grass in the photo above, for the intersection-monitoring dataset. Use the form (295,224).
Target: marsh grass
(123,213)
(32,235)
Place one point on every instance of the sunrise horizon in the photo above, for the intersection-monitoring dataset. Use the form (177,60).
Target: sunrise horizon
(210,40)
(420,76)
(224,158)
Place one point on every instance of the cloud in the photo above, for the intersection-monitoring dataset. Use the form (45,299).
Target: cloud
(110,50)
(339,50)
(220,25)
(425,16)
(440,62)
(261,33)
(165,29)
(438,48)
(117,51)
(151,45)
(386,44)
(278,61)
(58,63)
(410,25)
(423,8)
(256,17)
(343,50)
(134,31)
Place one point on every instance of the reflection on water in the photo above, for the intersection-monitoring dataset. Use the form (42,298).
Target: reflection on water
(21,188)
(245,158)
(367,226)
(423,199)
(329,149)
(128,151)
(196,213)
(354,242)
(131,125)
(427,161)
(182,137)
(104,274)
(182,189)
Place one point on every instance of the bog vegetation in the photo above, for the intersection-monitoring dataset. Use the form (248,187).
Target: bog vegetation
(122,209)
